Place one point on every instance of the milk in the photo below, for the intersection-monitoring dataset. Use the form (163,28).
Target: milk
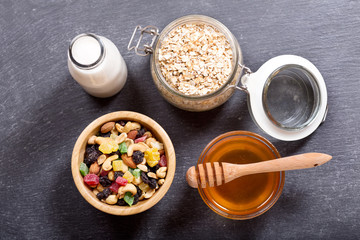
(96,64)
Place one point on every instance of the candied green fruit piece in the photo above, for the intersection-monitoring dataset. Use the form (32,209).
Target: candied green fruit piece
(84,170)
(123,148)
(129,198)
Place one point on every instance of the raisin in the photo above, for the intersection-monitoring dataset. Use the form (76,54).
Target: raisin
(118,174)
(136,200)
(144,177)
(91,155)
(121,202)
(100,195)
(105,181)
(138,157)
(121,122)
(107,192)
(139,192)
(105,134)
(155,168)
(152,183)
(141,132)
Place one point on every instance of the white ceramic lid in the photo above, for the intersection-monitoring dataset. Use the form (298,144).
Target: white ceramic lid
(258,82)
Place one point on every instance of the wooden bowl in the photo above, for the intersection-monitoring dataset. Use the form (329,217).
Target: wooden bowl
(78,157)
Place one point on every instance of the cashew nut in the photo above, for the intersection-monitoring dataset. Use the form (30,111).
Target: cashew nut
(152,175)
(100,140)
(131,126)
(161,181)
(91,140)
(161,172)
(111,175)
(129,142)
(121,138)
(137,181)
(112,199)
(119,127)
(150,140)
(128,127)
(136,147)
(101,159)
(148,134)
(149,194)
(142,167)
(127,188)
(142,196)
(100,188)
(157,145)
(107,166)
(95,191)
(114,131)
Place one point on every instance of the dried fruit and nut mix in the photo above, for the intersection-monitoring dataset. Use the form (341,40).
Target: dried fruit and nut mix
(196,59)
(124,163)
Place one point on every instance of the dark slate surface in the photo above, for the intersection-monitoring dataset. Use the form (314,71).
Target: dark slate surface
(43,110)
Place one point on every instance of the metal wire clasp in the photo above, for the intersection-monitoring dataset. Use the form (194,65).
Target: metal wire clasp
(247,71)
(147,48)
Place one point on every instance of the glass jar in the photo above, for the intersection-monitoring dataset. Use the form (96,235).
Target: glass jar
(194,102)
(249,196)
(287,95)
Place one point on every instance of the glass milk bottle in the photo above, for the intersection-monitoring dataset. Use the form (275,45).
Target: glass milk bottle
(96,64)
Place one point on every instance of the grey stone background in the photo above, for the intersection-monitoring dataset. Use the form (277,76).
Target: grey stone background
(43,110)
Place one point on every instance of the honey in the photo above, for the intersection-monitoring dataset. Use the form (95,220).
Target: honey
(247,196)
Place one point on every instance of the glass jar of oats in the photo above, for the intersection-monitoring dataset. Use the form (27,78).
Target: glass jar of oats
(197,64)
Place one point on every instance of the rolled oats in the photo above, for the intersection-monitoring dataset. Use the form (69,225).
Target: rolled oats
(196,59)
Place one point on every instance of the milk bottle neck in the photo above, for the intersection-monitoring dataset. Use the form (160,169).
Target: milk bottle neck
(87,51)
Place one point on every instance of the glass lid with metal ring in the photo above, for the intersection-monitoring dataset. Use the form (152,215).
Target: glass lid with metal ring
(287,96)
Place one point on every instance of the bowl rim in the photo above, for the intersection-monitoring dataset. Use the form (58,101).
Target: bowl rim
(79,149)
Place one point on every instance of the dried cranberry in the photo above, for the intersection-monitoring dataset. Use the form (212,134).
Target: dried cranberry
(114,187)
(105,181)
(121,181)
(138,157)
(140,139)
(91,179)
(163,161)
(141,133)
(103,172)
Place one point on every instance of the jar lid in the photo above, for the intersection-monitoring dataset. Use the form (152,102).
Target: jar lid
(287,97)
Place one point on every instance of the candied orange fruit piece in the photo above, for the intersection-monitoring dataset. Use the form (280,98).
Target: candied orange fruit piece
(152,157)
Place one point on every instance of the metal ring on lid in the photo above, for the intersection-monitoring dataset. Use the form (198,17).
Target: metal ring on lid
(97,61)
(301,93)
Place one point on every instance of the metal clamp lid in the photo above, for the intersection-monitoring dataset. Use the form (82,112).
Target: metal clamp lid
(147,48)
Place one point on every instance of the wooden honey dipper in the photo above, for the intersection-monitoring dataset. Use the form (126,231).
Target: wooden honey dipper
(223,172)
